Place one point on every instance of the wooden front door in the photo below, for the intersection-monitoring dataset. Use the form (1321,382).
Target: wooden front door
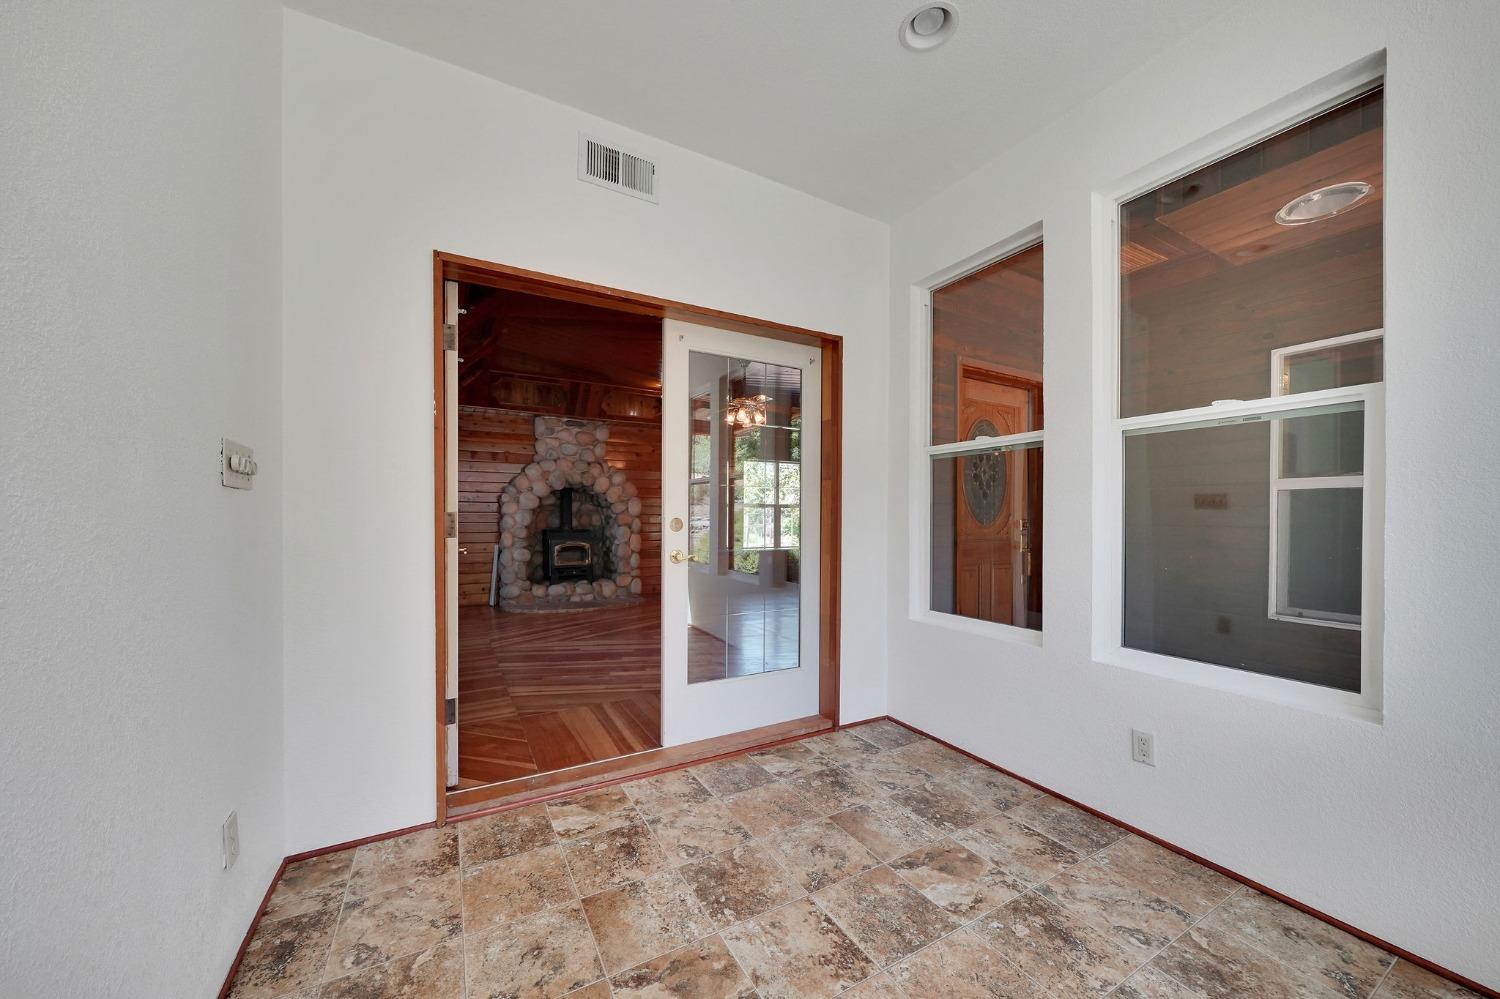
(990,564)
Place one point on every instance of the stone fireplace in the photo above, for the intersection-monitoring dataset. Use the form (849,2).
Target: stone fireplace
(570,523)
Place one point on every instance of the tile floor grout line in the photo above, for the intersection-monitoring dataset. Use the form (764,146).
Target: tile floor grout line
(1168,946)
(1381,984)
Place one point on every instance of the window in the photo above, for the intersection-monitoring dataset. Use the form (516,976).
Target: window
(766,481)
(700,480)
(985,447)
(1250,359)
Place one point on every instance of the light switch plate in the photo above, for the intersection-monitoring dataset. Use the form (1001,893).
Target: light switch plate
(231,840)
(236,464)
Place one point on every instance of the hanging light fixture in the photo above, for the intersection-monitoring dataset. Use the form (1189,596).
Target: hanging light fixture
(746,411)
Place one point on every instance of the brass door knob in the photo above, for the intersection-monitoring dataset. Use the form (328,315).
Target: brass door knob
(678,555)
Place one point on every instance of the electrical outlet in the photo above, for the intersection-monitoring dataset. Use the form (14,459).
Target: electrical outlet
(231,840)
(1143,747)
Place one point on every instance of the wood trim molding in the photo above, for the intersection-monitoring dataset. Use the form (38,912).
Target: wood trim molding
(454,267)
(1336,923)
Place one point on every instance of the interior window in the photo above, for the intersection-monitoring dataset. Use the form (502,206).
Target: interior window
(1250,351)
(986,443)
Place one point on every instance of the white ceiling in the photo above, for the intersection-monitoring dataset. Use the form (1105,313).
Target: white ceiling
(817,94)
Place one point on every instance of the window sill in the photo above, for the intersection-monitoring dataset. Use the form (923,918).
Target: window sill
(986,629)
(1275,690)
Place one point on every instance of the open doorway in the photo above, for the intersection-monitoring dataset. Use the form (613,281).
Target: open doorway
(637,559)
(559,534)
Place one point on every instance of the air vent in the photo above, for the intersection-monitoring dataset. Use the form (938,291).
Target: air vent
(612,167)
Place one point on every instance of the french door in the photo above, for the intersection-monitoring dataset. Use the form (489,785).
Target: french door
(740,581)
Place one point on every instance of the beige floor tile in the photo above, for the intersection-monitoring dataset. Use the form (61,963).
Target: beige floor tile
(731,776)
(937,759)
(1117,907)
(945,808)
(740,883)
(599,990)
(615,857)
(820,853)
(286,955)
(644,919)
(395,923)
(435,973)
(1019,849)
(841,746)
(1063,954)
(1220,965)
(1407,981)
(889,774)
(676,787)
(695,830)
(992,788)
(286,901)
(797,952)
(1171,876)
(549,953)
(957,879)
(886,829)
(316,872)
(591,813)
(962,966)
(1070,826)
(396,863)
(886,734)
(884,915)
(504,834)
(1151,982)
(1303,943)
(506,889)
(703,970)
(881,986)
(771,808)
(791,760)
(833,789)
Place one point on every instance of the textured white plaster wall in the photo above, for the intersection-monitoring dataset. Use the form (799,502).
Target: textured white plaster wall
(389,155)
(140,605)
(1391,827)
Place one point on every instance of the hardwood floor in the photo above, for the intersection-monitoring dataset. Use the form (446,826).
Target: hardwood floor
(540,692)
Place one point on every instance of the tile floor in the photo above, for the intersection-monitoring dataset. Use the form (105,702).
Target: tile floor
(870,863)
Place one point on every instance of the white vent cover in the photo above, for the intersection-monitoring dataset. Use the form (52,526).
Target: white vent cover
(612,167)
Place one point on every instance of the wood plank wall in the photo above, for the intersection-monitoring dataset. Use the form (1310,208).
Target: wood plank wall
(495,444)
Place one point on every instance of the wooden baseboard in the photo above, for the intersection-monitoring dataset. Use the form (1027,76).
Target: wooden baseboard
(1355,931)
(239,955)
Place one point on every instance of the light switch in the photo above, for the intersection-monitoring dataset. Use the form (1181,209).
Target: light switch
(237,466)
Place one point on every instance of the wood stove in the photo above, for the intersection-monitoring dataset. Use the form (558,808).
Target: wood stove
(568,553)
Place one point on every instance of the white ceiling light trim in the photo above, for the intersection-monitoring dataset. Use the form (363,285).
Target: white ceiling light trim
(929,26)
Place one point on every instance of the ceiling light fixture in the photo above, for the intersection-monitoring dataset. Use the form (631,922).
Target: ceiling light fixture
(928,26)
(1324,203)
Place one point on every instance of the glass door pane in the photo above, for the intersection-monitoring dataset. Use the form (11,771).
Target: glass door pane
(744,595)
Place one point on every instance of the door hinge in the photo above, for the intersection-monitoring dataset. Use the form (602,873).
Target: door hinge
(450,711)
(450,525)
(450,336)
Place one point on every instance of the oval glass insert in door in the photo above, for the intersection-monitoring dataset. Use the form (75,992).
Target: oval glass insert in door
(744,517)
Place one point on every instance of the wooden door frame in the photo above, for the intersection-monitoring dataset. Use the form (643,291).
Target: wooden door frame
(469,270)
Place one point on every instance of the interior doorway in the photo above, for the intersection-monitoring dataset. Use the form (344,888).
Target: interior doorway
(583,435)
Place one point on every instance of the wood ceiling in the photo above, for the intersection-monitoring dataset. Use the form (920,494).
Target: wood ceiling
(555,357)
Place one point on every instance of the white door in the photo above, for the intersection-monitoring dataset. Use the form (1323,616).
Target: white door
(740,474)
(450,506)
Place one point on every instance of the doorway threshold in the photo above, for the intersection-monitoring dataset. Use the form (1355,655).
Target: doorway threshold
(534,788)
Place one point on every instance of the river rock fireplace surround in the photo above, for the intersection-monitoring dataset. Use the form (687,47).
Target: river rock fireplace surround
(570,524)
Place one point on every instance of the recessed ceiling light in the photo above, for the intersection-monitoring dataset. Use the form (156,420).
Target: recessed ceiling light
(928,26)
(1324,203)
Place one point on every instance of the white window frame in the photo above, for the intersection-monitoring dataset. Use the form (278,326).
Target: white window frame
(1278,603)
(924,452)
(1110,430)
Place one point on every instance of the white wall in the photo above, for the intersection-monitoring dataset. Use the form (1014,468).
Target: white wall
(389,155)
(1390,826)
(140,604)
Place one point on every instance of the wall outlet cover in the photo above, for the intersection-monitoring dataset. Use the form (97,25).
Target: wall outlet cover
(237,466)
(1143,747)
(230,836)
